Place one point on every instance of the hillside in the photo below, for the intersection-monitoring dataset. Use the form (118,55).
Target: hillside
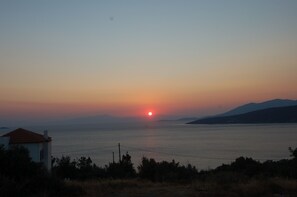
(271,115)
(259,106)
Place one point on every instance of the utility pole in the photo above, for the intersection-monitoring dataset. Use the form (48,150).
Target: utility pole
(112,157)
(119,152)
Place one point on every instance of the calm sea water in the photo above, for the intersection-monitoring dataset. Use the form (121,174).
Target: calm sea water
(205,146)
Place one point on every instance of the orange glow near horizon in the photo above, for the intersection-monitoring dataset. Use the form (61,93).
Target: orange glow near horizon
(107,68)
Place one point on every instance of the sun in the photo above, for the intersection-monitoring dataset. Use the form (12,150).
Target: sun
(150,113)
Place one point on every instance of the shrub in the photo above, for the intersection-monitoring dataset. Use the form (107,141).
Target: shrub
(165,171)
(20,176)
(123,169)
(82,168)
(15,163)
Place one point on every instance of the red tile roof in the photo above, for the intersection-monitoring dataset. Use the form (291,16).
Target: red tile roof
(22,136)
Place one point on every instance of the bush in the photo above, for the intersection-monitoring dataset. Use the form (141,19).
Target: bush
(15,163)
(82,168)
(20,176)
(165,171)
(123,169)
(247,168)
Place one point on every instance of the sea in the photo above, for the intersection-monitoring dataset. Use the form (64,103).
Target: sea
(204,146)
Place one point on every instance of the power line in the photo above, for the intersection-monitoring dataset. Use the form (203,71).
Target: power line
(191,156)
(159,152)
(177,154)
(84,150)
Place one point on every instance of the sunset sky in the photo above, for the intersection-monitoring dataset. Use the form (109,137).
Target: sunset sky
(175,58)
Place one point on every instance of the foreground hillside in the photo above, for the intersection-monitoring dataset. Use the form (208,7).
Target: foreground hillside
(272,115)
(138,188)
(19,176)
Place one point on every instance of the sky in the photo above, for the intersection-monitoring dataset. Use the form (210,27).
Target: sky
(69,58)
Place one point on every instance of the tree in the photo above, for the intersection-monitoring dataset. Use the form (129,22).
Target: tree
(123,169)
(17,164)
(82,168)
(293,152)
(65,168)
(166,171)
(20,176)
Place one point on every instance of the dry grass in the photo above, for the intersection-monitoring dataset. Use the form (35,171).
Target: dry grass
(141,188)
(268,187)
(132,188)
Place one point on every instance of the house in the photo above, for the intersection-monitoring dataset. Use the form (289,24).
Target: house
(39,146)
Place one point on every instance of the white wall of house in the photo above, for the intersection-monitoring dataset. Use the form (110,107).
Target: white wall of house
(39,152)
(4,141)
(47,147)
(34,150)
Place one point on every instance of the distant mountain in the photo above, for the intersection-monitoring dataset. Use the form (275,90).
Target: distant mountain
(258,106)
(186,119)
(271,115)
(2,128)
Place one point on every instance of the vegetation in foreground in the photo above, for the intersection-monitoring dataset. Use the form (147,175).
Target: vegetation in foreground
(19,176)
(141,188)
